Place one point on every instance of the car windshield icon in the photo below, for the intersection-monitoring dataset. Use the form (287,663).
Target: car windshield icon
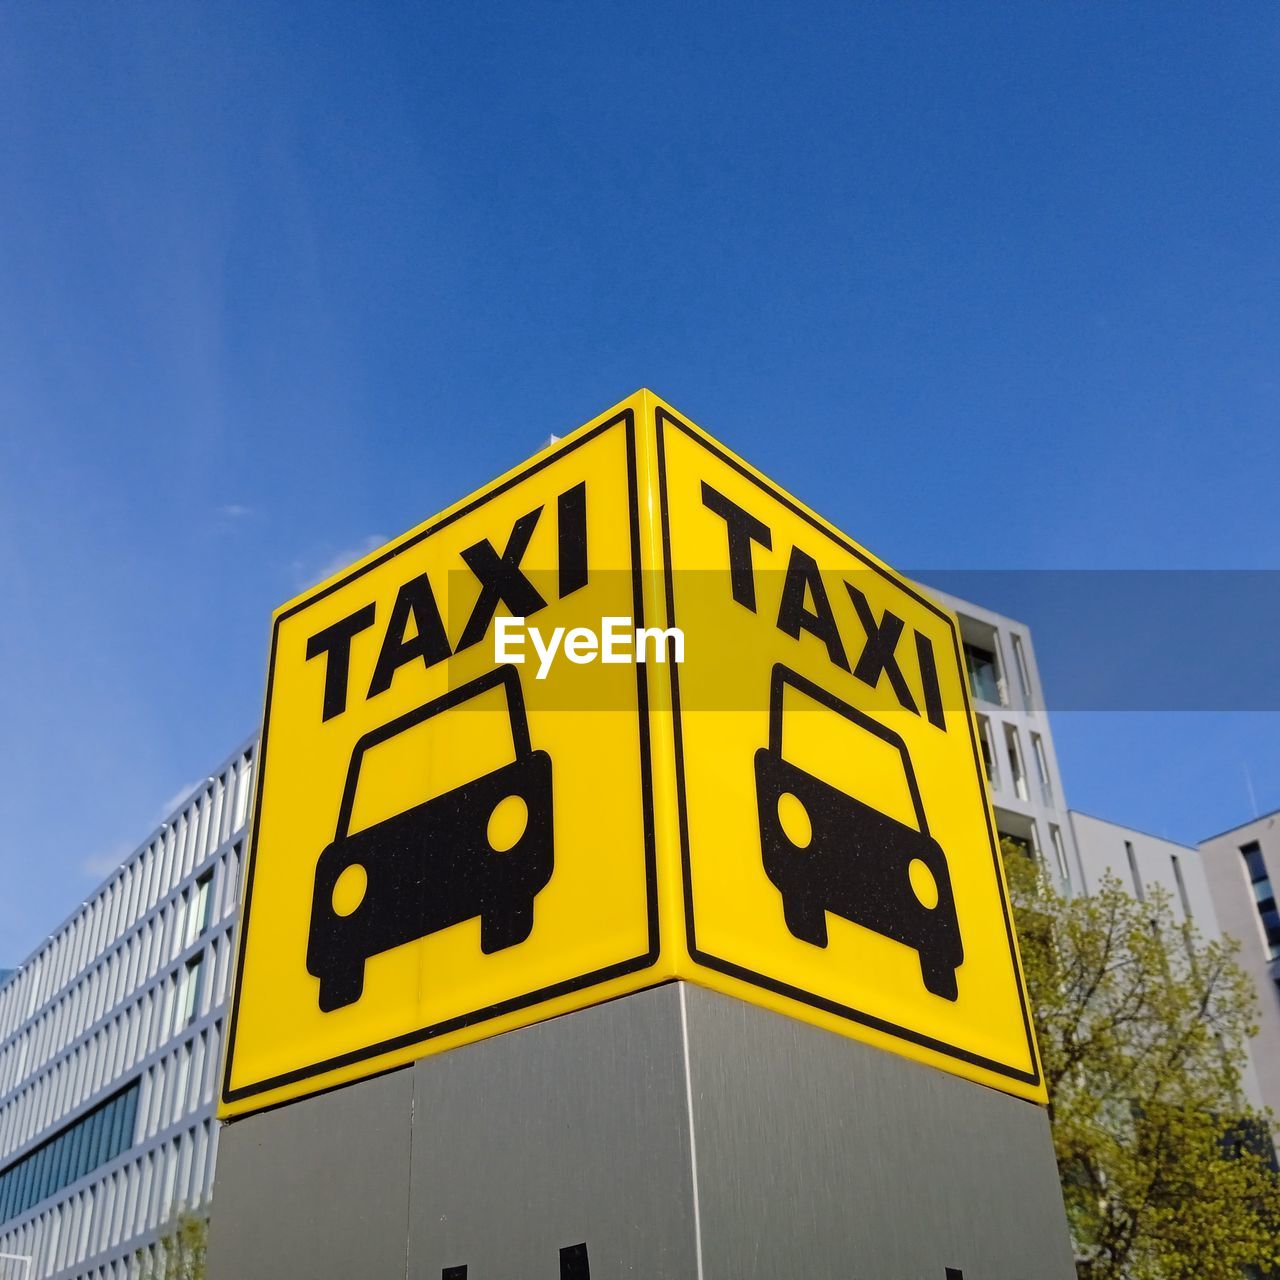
(826,849)
(481,848)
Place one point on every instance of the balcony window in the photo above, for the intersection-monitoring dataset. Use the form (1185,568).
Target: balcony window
(1013,748)
(1024,675)
(988,756)
(984,677)
(1020,843)
(1042,768)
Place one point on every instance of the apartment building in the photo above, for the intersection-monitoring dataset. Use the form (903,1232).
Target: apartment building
(110,1039)
(1015,738)
(1242,867)
(1142,862)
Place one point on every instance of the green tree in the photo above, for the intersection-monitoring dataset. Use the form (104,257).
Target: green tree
(1166,1171)
(181,1250)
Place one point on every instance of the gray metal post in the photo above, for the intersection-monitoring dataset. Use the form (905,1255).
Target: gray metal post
(675,1134)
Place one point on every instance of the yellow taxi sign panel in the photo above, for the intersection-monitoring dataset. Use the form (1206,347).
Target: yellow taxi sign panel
(838,857)
(445,846)
(452,839)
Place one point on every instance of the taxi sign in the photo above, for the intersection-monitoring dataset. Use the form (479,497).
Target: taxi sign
(838,856)
(444,846)
(774,789)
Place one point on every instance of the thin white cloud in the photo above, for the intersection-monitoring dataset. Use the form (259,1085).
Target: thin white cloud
(306,576)
(235,511)
(101,865)
(166,810)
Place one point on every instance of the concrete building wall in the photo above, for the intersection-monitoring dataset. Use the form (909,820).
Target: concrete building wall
(110,1040)
(1246,909)
(1141,862)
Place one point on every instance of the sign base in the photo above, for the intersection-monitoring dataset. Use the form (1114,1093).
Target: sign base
(675,1134)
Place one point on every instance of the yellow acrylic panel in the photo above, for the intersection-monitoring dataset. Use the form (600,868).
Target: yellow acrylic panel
(839,858)
(544,909)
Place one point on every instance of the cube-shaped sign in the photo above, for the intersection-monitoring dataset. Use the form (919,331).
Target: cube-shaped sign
(630,713)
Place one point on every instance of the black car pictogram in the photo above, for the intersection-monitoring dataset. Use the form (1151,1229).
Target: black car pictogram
(857,861)
(432,866)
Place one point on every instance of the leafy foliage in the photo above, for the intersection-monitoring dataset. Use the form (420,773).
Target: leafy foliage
(181,1251)
(1167,1173)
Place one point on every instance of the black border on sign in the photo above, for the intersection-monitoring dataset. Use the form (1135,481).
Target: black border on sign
(542,994)
(665,418)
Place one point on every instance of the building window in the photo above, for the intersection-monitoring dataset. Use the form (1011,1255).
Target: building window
(1060,853)
(1024,674)
(1182,888)
(189,993)
(1252,1137)
(988,756)
(1133,871)
(33,977)
(1013,748)
(1020,843)
(88,1143)
(199,908)
(1253,862)
(1263,895)
(984,676)
(1042,768)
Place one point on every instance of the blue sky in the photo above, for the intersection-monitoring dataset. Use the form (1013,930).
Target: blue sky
(991,286)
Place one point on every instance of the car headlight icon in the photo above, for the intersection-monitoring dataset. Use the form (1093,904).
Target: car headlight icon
(827,850)
(482,849)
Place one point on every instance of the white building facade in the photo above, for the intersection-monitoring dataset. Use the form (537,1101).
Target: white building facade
(1017,745)
(1243,870)
(110,1040)
(1142,863)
